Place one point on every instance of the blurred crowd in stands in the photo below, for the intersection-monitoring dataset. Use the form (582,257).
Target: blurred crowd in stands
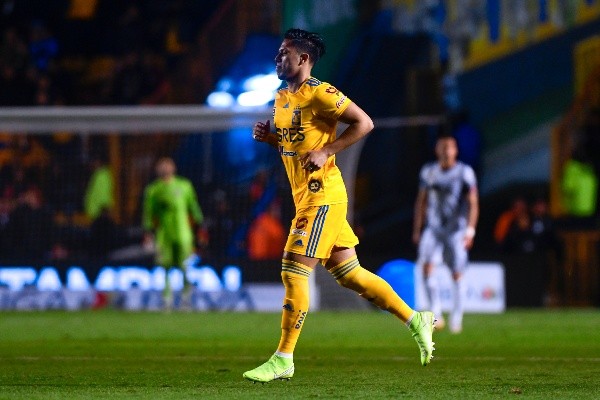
(100,51)
(86,52)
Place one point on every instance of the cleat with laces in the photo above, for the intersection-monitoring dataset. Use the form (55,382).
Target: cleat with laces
(421,327)
(276,368)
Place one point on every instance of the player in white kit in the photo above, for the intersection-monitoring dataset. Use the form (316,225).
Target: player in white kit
(446,213)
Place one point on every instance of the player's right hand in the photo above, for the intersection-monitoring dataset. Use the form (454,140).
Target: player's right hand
(261,131)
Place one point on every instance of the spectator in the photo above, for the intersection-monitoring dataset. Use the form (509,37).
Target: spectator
(43,47)
(519,237)
(13,50)
(127,82)
(542,226)
(258,185)
(99,195)
(504,222)
(267,236)
(30,228)
(579,190)
(548,249)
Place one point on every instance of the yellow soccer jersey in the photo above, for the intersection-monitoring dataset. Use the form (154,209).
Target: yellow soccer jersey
(307,120)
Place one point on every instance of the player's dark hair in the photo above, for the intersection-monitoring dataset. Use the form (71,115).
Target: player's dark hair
(308,42)
(445,130)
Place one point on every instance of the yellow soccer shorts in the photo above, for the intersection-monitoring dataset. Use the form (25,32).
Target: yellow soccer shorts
(316,230)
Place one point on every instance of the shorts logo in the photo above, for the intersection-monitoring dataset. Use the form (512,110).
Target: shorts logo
(302,223)
(299,232)
(299,243)
(288,307)
(314,185)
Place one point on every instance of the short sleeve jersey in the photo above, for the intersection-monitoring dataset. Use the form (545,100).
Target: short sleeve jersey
(447,206)
(307,120)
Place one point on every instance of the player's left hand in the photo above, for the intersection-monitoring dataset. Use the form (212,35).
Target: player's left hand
(313,160)
(468,242)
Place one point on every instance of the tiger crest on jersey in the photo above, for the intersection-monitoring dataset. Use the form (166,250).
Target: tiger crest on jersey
(297,116)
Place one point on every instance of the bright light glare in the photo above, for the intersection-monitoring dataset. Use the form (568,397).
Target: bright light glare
(220,99)
(255,98)
(224,84)
(262,82)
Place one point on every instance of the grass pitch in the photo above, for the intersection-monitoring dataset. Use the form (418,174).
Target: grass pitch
(119,355)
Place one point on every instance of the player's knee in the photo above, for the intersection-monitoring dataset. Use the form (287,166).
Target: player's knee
(294,273)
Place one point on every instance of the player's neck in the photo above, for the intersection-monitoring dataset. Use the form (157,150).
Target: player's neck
(445,165)
(296,82)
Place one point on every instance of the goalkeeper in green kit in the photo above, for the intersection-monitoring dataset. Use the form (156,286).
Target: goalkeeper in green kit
(170,213)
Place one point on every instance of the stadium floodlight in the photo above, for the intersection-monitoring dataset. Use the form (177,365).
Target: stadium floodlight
(220,100)
(255,98)
(262,82)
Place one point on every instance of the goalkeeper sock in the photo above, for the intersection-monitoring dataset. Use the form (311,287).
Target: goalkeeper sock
(295,305)
(351,275)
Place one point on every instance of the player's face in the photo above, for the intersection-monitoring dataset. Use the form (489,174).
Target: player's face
(165,169)
(287,61)
(446,151)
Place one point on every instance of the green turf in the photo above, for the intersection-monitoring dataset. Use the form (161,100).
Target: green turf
(110,354)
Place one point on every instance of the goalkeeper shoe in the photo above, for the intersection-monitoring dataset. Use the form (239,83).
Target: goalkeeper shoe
(421,327)
(276,368)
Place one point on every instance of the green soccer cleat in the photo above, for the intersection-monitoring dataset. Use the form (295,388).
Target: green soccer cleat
(421,327)
(276,368)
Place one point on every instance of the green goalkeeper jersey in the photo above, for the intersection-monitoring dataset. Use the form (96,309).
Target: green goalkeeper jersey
(169,207)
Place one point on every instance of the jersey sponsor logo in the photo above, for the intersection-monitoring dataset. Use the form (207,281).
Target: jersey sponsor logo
(299,232)
(302,223)
(331,90)
(314,185)
(299,243)
(291,135)
(287,153)
(341,101)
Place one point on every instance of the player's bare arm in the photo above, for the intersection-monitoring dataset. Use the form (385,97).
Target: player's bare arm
(261,132)
(473,199)
(359,125)
(419,217)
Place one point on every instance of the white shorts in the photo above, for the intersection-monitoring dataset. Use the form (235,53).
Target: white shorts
(443,247)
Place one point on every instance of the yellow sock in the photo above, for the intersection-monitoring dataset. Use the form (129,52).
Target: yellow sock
(295,305)
(351,275)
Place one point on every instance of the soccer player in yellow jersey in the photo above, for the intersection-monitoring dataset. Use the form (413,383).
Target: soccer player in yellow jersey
(306,114)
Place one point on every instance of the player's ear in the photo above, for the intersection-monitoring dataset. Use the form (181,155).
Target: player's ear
(304,58)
